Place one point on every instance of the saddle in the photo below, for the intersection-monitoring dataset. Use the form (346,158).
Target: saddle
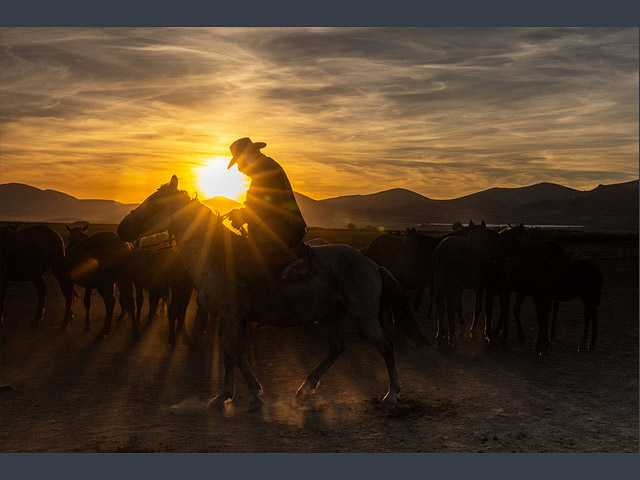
(296,269)
(275,268)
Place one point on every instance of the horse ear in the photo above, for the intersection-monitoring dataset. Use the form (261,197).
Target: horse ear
(471,224)
(483,224)
(84,229)
(407,229)
(509,225)
(413,230)
(67,227)
(522,224)
(174,182)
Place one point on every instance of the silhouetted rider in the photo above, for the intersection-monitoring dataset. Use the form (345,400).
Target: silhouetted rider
(275,224)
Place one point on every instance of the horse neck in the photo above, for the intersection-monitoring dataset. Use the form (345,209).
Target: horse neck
(197,232)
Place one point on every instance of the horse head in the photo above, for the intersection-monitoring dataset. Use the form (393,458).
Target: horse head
(76,234)
(156,214)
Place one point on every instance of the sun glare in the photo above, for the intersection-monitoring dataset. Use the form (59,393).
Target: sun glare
(214,180)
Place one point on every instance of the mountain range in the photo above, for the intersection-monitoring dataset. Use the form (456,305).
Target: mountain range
(606,207)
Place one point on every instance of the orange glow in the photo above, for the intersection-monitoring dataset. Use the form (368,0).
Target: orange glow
(214,180)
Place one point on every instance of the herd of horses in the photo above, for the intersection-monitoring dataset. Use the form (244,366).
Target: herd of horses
(491,263)
(346,283)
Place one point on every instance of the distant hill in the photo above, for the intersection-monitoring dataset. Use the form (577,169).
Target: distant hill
(606,207)
(22,202)
(221,204)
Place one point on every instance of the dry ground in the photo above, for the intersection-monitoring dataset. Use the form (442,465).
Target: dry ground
(71,392)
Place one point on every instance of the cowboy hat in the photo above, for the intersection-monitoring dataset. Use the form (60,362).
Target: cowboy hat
(242,146)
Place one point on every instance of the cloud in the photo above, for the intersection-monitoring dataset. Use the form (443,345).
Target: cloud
(442,111)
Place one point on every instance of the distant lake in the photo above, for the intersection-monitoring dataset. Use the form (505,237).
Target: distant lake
(493,225)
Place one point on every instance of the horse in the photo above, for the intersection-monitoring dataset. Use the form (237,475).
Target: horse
(414,265)
(547,282)
(25,255)
(98,262)
(343,283)
(408,258)
(160,272)
(473,258)
(548,250)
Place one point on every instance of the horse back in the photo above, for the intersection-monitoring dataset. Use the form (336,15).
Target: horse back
(99,257)
(28,253)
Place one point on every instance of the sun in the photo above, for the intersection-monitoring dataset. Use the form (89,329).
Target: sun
(214,180)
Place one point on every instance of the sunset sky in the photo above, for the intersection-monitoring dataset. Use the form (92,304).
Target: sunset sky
(112,113)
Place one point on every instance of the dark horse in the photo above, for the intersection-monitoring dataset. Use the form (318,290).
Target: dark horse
(414,264)
(408,258)
(98,262)
(25,255)
(159,272)
(547,282)
(475,259)
(547,250)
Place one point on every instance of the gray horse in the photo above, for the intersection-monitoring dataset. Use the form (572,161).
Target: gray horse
(344,283)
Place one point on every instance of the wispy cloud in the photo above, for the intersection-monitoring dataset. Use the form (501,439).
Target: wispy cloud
(443,111)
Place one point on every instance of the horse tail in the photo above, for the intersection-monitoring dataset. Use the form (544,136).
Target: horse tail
(394,296)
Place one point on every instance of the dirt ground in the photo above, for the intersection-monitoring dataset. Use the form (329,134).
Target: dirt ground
(70,392)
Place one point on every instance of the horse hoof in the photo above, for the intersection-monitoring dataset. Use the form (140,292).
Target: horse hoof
(87,328)
(103,334)
(218,402)
(303,394)
(489,340)
(256,403)
(389,402)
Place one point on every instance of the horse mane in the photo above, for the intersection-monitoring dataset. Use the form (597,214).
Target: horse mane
(195,201)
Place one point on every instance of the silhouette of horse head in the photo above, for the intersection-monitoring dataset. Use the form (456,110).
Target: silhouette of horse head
(76,234)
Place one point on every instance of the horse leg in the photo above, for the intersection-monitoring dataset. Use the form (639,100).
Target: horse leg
(460,314)
(431,303)
(516,313)
(542,309)
(107,293)
(331,328)
(587,319)
(66,285)
(452,309)
(502,328)
(154,299)
(477,312)
(229,332)
(440,312)
(488,313)
(416,301)
(374,333)
(127,305)
(139,302)
(87,307)
(556,305)
(253,384)
(594,327)
(42,294)
(4,284)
